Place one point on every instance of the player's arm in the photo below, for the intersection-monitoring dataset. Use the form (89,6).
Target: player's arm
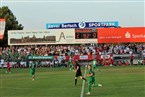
(91,74)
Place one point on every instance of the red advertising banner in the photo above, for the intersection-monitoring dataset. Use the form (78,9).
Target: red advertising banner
(121,35)
(2,27)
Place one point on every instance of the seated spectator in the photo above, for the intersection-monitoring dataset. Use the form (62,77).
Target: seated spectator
(126,63)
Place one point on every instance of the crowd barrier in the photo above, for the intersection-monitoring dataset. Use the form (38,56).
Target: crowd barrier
(81,58)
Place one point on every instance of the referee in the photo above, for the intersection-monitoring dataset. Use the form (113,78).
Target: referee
(78,72)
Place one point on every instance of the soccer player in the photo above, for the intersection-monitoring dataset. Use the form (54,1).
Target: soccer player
(32,70)
(90,79)
(8,67)
(70,63)
(78,72)
(94,65)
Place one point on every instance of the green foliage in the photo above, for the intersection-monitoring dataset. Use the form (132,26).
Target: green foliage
(11,23)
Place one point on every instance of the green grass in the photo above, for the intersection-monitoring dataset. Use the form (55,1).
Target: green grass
(59,82)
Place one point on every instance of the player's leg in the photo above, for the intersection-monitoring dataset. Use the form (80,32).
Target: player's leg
(83,78)
(76,81)
(93,82)
(31,72)
(9,70)
(76,76)
(97,69)
(80,74)
(70,67)
(89,86)
(33,77)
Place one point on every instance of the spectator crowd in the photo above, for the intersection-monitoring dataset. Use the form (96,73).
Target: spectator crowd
(21,53)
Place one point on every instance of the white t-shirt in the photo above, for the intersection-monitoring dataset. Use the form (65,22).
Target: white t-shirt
(144,54)
(51,63)
(2,61)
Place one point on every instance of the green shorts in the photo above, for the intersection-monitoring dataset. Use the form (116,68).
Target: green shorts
(32,72)
(90,80)
(95,67)
(93,78)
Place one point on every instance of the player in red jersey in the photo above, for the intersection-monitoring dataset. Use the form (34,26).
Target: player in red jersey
(8,67)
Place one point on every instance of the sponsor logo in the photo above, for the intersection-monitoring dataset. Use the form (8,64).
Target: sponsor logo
(82,25)
(127,35)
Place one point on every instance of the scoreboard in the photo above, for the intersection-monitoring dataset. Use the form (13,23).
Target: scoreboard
(86,34)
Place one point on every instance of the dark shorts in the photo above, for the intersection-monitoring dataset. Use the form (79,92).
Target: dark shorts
(78,74)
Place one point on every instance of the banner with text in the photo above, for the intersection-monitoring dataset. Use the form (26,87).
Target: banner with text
(40,57)
(121,35)
(81,25)
(52,36)
(42,37)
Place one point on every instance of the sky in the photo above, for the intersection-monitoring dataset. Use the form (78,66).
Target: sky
(34,14)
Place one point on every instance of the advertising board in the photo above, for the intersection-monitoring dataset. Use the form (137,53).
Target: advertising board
(121,35)
(81,25)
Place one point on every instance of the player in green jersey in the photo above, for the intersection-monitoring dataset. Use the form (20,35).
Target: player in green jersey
(71,65)
(32,69)
(94,65)
(90,79)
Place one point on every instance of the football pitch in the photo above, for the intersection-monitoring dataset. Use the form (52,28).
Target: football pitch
(118,81)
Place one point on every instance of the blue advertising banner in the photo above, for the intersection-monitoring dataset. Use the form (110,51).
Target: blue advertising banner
(81,25)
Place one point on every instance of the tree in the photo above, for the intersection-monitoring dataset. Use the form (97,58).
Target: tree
(11,23)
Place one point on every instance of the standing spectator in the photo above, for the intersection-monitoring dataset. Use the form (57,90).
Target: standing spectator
(143,57)
(2,63)
(131,59)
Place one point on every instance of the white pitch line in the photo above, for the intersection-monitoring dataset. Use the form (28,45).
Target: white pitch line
(82,92)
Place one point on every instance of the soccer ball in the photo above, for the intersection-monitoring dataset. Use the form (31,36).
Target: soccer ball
(100,85)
